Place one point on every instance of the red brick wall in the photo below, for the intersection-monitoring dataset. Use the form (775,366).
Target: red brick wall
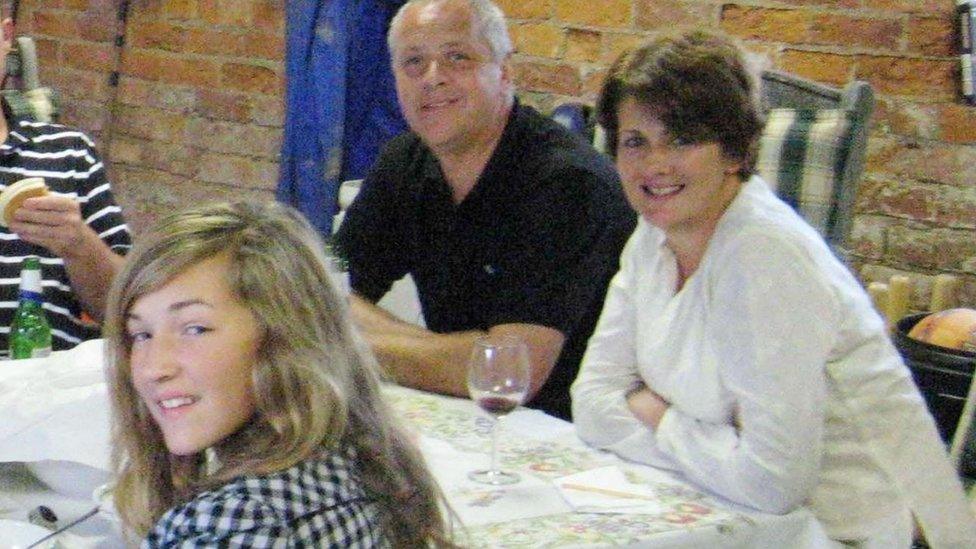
(198,111)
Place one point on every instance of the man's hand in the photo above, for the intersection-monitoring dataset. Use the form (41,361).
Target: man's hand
(54,222)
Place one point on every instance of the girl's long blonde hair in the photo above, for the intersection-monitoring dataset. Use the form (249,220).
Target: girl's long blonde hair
(316,384)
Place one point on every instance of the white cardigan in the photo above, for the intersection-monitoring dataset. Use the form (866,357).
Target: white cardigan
(784,387)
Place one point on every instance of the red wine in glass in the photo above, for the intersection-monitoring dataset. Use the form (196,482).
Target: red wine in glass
(498,380)
(498,405)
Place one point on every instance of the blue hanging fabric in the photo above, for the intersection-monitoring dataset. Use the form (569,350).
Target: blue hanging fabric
(340,100)
(372,112)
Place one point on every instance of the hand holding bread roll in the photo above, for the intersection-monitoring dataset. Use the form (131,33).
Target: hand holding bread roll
(14,196)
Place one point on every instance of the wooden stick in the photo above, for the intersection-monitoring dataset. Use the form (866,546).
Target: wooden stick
(879,296)
(899,293)
(605,491)
(944,292)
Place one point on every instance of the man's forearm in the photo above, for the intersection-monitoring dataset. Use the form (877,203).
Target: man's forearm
(414,356)
(91,270)
(438,362)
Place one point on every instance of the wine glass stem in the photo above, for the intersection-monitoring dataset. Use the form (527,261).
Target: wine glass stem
(494,445)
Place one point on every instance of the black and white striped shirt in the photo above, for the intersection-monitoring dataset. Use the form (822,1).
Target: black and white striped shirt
(67,161)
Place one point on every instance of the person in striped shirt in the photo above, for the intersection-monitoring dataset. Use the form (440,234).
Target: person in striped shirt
(77,229)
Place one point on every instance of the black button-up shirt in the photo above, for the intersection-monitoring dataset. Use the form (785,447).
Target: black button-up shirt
(535,241)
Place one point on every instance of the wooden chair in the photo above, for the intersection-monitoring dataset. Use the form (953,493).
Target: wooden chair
(842,115)
(22,87)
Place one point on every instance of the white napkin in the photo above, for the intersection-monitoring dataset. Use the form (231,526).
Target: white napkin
(476,503)
(56,408)
(607,490)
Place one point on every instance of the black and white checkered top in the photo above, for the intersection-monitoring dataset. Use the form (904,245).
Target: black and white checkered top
(319,502)
(67,160)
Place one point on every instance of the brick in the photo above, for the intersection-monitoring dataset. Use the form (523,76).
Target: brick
(765,24)
(182,99)
(238,171)
(226,41)
(89,116)
(867,237)
(927,248)
(269,16)
(213,41)
(935,36)
(98,27)
(828,68)
(593,83)
(267,110)
(260,45)
(823,3)
(662,14)
(929,78)
(157,35)
(124,150)
(525,9)
(221,105)
(75,84)
(151,124)
(252,78)
(163,67)
(957,123)
(235,13)
(583,46)
(608,13)
(899,198)
(133,91)
(843,30)
(236,139)
(552,78)
(538,39)
(174,158)
(942,163)
(910,6)
(616,44)
(146,194)
(180,10)
(957,207)
(91,56)
(906,118)
(60,25)
(47,51)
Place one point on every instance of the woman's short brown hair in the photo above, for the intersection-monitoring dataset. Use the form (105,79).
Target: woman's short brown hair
(698,83)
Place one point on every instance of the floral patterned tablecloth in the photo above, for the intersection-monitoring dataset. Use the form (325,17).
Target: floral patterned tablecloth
(689,517)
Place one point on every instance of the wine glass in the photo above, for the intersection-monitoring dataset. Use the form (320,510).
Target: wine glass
(498,380)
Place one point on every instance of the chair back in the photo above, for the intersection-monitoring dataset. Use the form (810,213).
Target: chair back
(813,148)
(22,87)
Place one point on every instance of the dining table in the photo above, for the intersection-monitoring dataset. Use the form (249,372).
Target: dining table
(55,427)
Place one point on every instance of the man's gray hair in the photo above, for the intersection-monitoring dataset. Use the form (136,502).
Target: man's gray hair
(488,19)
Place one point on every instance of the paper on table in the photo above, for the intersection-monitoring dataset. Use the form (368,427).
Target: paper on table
(56,408)
(482,504)
(607,490)
(538,425)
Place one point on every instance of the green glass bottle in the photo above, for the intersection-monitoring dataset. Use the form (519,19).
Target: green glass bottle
(30,332)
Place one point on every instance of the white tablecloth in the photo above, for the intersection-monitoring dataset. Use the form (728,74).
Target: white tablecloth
(59,411)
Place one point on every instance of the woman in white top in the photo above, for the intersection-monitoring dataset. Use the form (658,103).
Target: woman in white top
(733,346)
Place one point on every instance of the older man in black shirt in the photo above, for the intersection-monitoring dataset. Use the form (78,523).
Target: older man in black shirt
(508,223)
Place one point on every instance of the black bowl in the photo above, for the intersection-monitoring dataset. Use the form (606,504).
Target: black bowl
(913,349)
(943,375)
